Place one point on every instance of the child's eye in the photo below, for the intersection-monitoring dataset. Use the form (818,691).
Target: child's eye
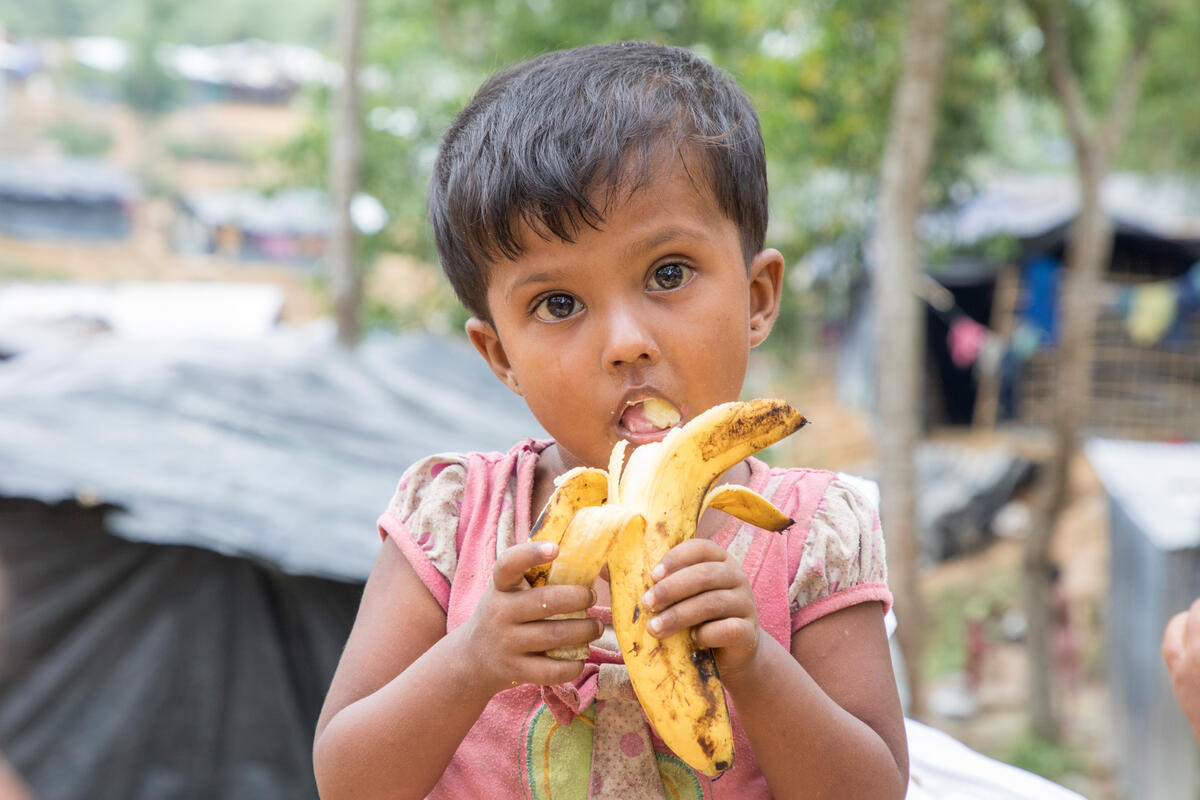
(557,306)
(670,276)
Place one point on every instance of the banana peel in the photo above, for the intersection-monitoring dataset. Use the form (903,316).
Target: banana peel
(648,505)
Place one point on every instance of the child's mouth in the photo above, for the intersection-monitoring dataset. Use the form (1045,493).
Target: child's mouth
(649,417)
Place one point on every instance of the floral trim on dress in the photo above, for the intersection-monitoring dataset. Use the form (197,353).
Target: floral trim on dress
(843,549)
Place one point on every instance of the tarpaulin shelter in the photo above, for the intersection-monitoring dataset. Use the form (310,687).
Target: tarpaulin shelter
(74,198)
(996,262)
(1145,351)
(184,529)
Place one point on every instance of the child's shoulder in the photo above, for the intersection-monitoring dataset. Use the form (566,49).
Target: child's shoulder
(439,480)
(435,481)
(806,491)
(836,549)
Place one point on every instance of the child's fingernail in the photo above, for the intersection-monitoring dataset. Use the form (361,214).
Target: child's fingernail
(548,548)
(654,625)
(648,600)
(592,602)
(658,572)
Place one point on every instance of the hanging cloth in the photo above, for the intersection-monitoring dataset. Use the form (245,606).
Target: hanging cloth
(1042,278)
(1187,290)
(1152,310)
(965,339)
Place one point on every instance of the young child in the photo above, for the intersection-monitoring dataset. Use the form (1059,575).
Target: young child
(601,212)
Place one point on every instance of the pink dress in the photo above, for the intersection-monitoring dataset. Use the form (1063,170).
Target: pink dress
(452,514)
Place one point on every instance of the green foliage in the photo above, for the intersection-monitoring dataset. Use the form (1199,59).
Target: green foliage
(210,22)
(1101,34)
(143,83)
(204,150)
(951,608)
(61,17)
(1053,760)
(11,270)
(1163,135)
(80,140)
(220,21)
(147,87)
(820,75)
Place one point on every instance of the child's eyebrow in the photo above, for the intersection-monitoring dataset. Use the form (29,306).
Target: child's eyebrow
(536,277)
(655,239)
(661,237)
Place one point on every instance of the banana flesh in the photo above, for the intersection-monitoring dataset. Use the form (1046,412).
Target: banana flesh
(577,488)
(654,502)
(660,413)
(582,554)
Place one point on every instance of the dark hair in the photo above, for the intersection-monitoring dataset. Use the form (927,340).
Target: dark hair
(541,139)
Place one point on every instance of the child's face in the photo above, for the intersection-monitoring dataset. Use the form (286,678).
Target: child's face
(657,304)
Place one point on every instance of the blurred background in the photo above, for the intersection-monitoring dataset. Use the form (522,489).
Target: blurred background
(223,335)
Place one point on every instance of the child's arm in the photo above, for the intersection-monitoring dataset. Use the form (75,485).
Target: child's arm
(405,692)
(824,719)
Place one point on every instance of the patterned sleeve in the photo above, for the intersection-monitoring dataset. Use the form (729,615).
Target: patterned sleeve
(842,562)
(422,519)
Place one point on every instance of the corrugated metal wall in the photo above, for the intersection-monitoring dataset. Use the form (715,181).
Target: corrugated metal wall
(1157,756)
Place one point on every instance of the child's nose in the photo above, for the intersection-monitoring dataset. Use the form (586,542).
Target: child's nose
(629,340)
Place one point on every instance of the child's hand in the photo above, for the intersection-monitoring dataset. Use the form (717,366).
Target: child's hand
(508,634)
(1181,652)
(700,586)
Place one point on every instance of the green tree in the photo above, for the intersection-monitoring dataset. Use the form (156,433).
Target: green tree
(1162,134)
(899,328)
(821,76)
(211,22)
(1098,98)
(144,84)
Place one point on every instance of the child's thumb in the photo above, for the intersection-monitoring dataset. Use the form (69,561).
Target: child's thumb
(509,573)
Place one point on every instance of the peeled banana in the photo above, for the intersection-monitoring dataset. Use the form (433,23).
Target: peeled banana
(574,489)
(651,504)
(582,553)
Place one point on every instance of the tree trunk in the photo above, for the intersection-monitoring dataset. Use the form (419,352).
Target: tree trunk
(345,159)
(899,321)
(1088,253)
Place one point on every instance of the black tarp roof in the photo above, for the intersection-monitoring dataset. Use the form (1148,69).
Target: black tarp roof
(184,529)
(283,449)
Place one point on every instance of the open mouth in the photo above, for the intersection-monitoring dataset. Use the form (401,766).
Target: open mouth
(649,417)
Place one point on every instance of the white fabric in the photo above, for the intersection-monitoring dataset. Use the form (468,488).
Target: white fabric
(942,768)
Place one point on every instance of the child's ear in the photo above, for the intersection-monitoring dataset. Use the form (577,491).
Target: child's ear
(766,287)
(483,335)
